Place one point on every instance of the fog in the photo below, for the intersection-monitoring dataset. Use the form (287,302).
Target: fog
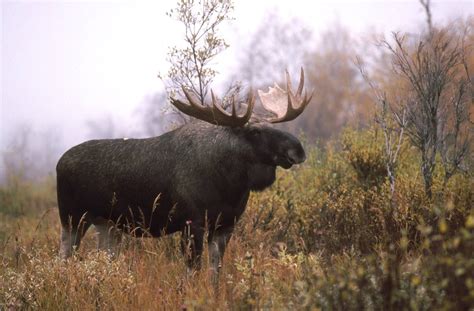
(69,66)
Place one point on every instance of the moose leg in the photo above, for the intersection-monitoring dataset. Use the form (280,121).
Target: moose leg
(109,236)
(192,244)
(217,243)
(71,236)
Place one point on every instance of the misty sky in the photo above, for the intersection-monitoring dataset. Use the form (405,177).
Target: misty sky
(66,62)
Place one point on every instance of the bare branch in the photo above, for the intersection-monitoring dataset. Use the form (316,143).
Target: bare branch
(427,7)
(393,136)
(434,109)
(191,65)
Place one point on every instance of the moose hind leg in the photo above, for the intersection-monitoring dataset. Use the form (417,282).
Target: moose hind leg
(71,236)
(66,243)
(109,236)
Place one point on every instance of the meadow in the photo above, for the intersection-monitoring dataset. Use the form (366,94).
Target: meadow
(327,235)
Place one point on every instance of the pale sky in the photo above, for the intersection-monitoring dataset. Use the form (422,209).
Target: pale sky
(66,62)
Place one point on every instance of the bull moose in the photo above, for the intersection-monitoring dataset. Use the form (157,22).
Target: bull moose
(195,177)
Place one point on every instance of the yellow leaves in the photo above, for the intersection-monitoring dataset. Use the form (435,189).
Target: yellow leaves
(470,222)
(415,280)
(404,243)
(364,152)
(424,229)
(442,226)
(332,231)
(460,271)
(470,285)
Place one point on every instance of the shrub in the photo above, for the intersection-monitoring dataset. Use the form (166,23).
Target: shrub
(318,238)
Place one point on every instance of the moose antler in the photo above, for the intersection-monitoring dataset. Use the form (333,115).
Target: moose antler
(214,114)
(276,99)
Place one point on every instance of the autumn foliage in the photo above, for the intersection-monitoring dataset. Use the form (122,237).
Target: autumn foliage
(343,231)
(317,238)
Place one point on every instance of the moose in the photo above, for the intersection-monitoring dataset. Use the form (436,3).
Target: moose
(195,177)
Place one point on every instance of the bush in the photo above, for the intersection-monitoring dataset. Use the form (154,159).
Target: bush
(319,237)
(20,197)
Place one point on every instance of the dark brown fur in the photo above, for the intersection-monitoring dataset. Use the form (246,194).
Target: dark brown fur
(166,184)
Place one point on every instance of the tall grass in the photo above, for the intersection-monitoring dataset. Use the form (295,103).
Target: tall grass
(317,239)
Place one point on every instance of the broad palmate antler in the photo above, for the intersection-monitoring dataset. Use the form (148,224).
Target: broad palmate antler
(284,104)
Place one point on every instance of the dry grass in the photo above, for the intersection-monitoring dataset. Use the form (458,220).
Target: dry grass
(147,274)
(317,239)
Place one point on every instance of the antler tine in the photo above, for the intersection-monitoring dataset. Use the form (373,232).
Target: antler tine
(225,113)
(309,98)
(251,103)
(292,112)
(186,109)
(289,85)
(234,112)
(189,97)
(300,86)
(215,105)
(214,114)
(276,99)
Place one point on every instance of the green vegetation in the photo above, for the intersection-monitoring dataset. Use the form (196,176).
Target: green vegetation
(376,219)
(328,235)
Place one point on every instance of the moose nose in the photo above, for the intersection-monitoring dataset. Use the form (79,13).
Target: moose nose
(296,156)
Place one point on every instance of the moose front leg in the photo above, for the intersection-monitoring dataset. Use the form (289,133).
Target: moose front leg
(192,244)
(217,242)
